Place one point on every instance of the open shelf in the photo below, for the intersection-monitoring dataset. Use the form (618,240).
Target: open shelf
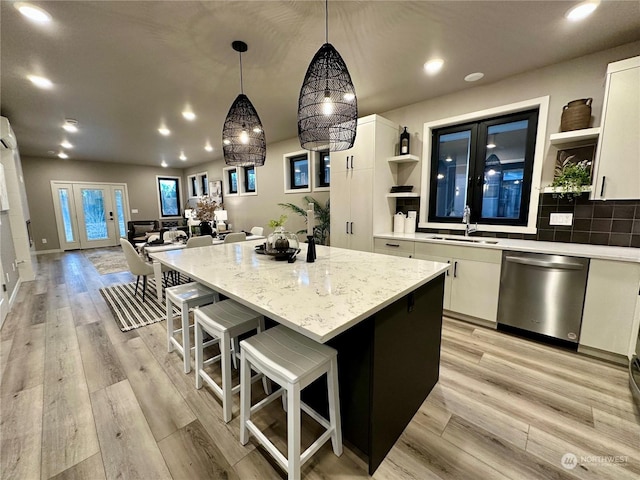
(403,194)
(560,190)
(574,136)
(407,158)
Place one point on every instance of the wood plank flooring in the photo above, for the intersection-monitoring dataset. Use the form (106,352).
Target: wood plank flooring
(79,399)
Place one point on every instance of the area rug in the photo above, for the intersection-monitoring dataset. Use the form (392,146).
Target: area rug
(107,260)
(131,312)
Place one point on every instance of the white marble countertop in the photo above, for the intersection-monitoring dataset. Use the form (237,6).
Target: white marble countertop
(320,299)
(623,254)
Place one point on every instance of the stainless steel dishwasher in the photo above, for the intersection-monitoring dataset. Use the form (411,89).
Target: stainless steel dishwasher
(543,294)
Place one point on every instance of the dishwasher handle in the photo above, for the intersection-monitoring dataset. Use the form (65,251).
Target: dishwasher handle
(544,264)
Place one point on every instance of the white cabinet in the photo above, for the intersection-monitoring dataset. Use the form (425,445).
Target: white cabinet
(609,306)
(354,181)
(617,166)
(398,248)
(472,283)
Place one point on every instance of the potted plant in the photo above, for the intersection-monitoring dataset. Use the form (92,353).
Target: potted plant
(572,178)
(322,218)
(278,239)
(205,211)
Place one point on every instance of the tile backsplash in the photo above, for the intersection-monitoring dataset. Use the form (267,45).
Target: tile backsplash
(613,222)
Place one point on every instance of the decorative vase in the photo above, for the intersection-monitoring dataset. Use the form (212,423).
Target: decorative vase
(205,228)
(576,115)
(279,239)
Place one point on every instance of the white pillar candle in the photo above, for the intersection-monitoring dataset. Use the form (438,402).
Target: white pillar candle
(310,220)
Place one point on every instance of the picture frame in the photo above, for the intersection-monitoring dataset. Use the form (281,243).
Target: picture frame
(215,191)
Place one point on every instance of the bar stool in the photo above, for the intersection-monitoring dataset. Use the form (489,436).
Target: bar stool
(185,297)
(293,361)
(225,321)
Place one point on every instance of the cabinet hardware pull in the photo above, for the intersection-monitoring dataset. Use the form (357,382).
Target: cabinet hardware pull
(449,262)
(351,162)
(351,228)
(604,178)
(455,269)
(346,226)
(392,244)
(346,162)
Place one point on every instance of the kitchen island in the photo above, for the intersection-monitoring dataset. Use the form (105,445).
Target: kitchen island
(383,314)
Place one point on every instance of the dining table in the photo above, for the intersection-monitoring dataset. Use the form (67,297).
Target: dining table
(147,249)
(382,313)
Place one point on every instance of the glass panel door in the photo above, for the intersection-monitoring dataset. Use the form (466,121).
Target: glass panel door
(65,212)
(120,205)
(93,211)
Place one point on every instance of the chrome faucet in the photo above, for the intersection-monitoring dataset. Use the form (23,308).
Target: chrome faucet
(466,219)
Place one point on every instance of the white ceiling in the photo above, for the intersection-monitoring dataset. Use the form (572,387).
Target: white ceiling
(120,68)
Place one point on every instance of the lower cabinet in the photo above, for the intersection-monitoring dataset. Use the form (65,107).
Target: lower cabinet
(472,284)
(610,306)
(398,248)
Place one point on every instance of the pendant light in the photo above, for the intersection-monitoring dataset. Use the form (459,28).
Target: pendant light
(327,107)
(243,140)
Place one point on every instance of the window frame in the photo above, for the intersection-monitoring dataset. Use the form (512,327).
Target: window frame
(477,165)
(229,191)
(322,184)
(542,104)
(245,180)
(289,174)
(292,172)
(177,181)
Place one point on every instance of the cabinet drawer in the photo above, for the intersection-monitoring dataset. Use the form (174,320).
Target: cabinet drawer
(478,254)
(397,246)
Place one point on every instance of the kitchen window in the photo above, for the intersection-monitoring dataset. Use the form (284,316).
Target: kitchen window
(324,169)
(232,181)
(299,171)
(249,179)
(169,196)
(486,164)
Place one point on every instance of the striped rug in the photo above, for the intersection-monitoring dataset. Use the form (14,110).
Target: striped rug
(129,311)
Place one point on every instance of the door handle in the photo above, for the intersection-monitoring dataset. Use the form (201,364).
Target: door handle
(346,228)
(604,179)
(392,245)
(351,162)
(347,162)
(455,269)
(449,262)
(543,264)
(351,228)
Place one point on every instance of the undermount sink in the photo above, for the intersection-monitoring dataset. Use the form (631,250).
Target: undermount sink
(467,240)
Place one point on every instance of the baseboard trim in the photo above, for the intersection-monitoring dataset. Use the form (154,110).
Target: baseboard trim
(43,252)
(11,301)
(470,319)
(603,355)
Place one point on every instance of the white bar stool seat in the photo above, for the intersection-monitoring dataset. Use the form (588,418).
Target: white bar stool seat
(293,361)
(185,297)
(225,321)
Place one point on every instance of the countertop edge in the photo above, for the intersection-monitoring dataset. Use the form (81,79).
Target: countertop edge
(601,252)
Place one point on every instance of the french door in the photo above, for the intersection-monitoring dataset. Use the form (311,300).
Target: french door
(90,215)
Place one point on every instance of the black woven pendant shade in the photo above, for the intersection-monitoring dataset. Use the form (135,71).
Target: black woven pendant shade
(327,107)
(243,139)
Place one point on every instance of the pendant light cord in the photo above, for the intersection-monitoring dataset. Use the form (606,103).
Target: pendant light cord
(241,85)
(326,21)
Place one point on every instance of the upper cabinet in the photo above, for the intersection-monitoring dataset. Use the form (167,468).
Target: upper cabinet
(617,165)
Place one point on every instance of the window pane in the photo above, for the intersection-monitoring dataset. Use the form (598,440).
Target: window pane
(63,193)
(192,187)
(122,231)
(300,172)
(233,181)
(205,185)
(95,220)
(250,179)
(453,170)
(325,169)
(169,197)
(504,170)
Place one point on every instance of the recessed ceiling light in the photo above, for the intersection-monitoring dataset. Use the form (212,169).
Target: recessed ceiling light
(582,10)
(164,164)
(40,82)
(70,125)
(66,144)
(63,155)
(189,115)
(208,147)
(182,156)
(433,66)
(164,131)
(474,77)
(33,13)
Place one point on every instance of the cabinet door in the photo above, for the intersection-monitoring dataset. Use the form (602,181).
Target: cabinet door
(361,222)
(340,208)
(447,278)
(363,149)
(609,305)
(618,159)
(474,288)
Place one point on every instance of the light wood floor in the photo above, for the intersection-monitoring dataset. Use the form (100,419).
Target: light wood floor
(82,400)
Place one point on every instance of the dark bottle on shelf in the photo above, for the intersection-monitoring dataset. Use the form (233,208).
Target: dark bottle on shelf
(405,137)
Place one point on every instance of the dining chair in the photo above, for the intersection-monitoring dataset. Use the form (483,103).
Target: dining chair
(257,231)
(137,266)
(203,241)
(235,237)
